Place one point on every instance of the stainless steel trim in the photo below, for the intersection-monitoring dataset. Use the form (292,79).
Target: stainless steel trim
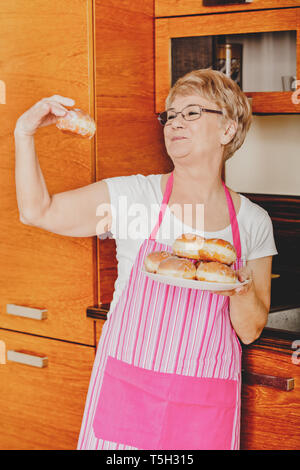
(26,312)
(27,359)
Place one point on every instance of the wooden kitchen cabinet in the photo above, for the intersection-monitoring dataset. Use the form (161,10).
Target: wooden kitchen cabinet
(222,22)
(270,413)
(45,50)
(196,7)
(42,408)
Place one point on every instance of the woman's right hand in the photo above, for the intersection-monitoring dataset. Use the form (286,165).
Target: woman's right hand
(43,113)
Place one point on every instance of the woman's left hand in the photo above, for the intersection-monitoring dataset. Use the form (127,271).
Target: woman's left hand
(243,274)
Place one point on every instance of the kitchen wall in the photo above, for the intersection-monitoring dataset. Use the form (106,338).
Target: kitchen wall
(269,160)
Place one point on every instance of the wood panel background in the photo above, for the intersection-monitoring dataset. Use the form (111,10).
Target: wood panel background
(129,137)
(44,50)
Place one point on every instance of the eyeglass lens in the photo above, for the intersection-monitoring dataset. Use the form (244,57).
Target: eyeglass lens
(189,113)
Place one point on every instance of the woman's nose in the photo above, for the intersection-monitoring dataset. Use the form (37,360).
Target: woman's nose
(178,121)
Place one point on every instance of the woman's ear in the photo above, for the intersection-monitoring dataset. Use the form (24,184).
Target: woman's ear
(228,132)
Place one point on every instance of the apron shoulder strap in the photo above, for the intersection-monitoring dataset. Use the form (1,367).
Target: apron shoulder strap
(163,206)
(233,222)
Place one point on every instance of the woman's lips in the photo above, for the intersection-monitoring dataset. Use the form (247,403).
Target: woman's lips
(177,138)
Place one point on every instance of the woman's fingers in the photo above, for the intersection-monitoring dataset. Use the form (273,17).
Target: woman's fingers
(58,102)
(224,292)
(51,107)
(61,99)
(243,289)
(244,274)
(43,113)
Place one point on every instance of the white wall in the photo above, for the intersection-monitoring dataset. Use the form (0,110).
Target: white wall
(269,160)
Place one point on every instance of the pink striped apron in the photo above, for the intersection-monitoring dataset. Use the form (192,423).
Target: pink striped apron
(168,366)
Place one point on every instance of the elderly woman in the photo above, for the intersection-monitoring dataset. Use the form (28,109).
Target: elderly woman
(167,373)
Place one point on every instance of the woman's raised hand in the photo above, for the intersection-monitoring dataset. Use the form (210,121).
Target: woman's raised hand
(43,113)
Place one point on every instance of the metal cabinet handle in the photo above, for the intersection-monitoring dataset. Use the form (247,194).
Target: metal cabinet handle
(280,383)
(28,358)
(27,312)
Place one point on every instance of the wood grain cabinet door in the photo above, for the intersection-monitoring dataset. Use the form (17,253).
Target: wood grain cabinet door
(43,390)
(131,137)
(45,49)
(270,414)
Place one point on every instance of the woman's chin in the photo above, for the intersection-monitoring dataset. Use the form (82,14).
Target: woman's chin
(178,155)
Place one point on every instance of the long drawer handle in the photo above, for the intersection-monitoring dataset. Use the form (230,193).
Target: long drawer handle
(27,312)
(28,358)
(280,383)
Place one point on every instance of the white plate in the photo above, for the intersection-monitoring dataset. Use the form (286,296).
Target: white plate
(193,284)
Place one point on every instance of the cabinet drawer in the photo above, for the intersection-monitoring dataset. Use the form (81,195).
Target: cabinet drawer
(193,7)
(270,416)
(58,320)
(42,407)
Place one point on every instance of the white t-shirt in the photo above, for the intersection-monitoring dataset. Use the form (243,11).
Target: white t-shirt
(135,203)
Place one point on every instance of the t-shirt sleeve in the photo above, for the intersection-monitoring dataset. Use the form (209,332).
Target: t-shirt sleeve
(124,191)
(117,186)
(262,237)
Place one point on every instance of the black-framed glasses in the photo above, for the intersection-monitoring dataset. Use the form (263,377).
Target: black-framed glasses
(189,113)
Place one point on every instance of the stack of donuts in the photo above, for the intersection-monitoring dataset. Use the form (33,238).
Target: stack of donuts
(195,257)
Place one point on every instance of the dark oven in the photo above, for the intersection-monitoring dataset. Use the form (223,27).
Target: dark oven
(285,214)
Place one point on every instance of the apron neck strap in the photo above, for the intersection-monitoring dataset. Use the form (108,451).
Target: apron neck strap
(233,222)
(163,206)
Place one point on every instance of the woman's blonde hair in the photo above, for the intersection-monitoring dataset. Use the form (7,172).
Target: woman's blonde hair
(215,86)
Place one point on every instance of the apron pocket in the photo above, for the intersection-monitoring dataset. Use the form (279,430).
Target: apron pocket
(129,410)
(200,414)
(154,410)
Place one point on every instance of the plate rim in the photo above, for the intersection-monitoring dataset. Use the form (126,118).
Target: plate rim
(215,284)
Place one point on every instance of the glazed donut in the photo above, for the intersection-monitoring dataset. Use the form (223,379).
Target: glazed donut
(214,271)
(152,260)
(188,245)
(177,267)
(216,249)
(77,122)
